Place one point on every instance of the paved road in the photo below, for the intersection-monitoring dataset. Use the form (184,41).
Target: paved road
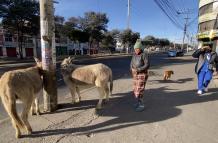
(174,113)
(119,66)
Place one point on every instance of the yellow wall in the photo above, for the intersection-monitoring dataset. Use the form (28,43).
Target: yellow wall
(204,2)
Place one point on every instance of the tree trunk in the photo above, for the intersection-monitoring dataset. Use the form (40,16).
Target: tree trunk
(90,45)
(20,43)
(21,46)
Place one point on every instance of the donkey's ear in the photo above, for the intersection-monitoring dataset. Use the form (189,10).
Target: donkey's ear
(37,60)
(71,59)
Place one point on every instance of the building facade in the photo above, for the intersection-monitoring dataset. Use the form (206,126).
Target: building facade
(9,46)
(207,23)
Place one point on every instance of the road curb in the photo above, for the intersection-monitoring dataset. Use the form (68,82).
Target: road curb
(60,59)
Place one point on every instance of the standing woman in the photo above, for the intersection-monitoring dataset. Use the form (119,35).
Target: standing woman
(207,60)
(139,68)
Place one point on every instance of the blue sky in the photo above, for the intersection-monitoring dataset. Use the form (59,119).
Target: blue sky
(146,17)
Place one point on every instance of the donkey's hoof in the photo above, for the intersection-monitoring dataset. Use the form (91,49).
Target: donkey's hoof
(73,102)
(98,107)
(77,101)
(18,135)
(38,113)
(29,131)
(106,100)
(35,113)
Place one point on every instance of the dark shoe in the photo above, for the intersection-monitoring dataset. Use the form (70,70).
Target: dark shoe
(136,105)
(140,108)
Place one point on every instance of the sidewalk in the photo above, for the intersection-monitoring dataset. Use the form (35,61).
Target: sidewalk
(5,61)
(174,114)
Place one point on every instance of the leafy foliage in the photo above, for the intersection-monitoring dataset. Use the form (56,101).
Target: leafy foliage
(152,41)
(21,17)
(94,24)
(128,37)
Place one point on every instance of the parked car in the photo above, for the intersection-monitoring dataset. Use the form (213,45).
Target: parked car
(157,49)
(180,53)
(172,53)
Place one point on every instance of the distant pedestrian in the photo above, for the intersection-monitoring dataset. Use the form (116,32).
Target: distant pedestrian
(139,68)
(207,59)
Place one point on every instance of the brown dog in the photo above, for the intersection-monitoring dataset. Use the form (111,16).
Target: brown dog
(167,74)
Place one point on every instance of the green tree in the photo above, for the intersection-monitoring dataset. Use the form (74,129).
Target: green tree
(73,30)
(134,36)
(150,40)
(59,26)
(115,33)
(128,38)
(164,42)
(20,17)
(94,24)
(108,41)
(70,25)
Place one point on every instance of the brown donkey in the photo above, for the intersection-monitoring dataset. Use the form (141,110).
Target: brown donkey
(82,77)
(23,84)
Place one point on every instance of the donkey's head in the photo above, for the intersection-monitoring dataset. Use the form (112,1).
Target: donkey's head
(38,62)
(39,65)
(66,62)
(67,66)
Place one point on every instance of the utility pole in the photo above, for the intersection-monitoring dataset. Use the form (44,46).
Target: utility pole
(185,30)
(185,26)
(128,24)
(48,55)
(128,15)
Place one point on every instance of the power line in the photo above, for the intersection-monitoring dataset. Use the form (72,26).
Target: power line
(174,11)
(167,13)
(191,22)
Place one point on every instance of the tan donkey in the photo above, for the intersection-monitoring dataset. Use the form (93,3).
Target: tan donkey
(81,77)
(22,84)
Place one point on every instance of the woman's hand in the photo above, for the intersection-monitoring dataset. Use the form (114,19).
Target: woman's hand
(134,71)
(215,73)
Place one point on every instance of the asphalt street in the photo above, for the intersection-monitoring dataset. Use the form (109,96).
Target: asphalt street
(174,112)
(119,66)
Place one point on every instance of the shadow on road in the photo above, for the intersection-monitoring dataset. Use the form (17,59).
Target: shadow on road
(162,104)
(180,81)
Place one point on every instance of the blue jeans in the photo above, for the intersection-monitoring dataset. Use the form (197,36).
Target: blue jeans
(204,78)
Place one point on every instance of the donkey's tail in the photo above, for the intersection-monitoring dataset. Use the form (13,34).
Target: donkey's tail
(9,102)
(111,82)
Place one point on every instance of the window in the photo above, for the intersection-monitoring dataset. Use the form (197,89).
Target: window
(57,40)
(206,26)
(206,9)
(8,37)
(1,38)
(28,39)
